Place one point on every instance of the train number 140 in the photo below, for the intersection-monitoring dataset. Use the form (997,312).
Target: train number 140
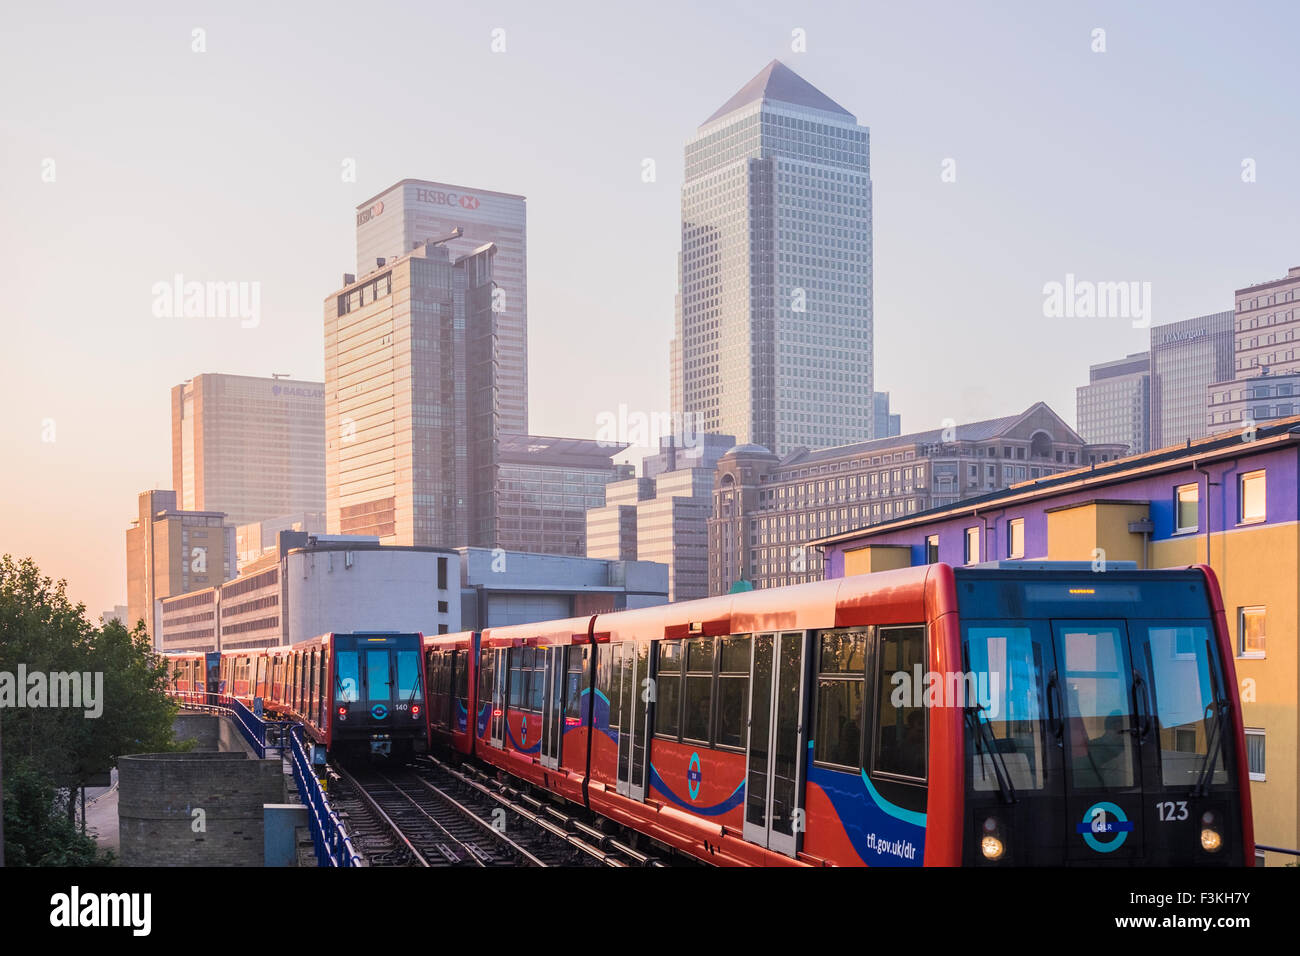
(1169,810)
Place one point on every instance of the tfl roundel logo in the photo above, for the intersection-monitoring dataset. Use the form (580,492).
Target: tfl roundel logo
(379,712)
(694,776)
(1104,820)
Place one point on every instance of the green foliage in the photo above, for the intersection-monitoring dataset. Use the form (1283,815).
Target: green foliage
(37,831)
(43,631)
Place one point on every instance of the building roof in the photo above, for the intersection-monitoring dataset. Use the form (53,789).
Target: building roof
(1175,457)
(429,182)
(541,450)
(750,449)
(776,82)
(971,431)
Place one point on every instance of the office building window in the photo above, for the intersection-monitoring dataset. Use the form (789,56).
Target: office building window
(1251,497)
(1186,501)
(1250,632)
(932,549)
(972,545)
(1016,538)
(1255,752)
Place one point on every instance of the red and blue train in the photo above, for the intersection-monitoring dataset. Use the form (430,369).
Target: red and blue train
(1030,714)
(359,692)
(1037,714)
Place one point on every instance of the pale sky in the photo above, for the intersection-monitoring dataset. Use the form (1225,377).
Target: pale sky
(226,165)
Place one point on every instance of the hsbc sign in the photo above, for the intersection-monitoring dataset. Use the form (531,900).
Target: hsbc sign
(437,197)
(370,212)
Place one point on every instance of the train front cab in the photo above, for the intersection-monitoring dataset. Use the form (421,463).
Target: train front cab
(378,695)
(1111,731)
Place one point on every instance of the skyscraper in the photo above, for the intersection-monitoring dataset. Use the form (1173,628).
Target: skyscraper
(410,411)
(1266,382)
(253,448)
(413,211)
(1186,358)
(171,551)
(773,338)
(1115,405)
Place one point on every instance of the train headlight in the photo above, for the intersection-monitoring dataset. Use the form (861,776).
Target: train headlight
(991,843)
(1210,839)
(415,710)
(992,848)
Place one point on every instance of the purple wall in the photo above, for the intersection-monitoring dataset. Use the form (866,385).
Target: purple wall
(1282,504)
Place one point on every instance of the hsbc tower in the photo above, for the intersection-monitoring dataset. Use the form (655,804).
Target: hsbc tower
(412,211)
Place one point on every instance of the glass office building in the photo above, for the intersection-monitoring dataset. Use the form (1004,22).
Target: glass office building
(1186,358)
(773,340)
(413,211)
(410,412)
(1115,406)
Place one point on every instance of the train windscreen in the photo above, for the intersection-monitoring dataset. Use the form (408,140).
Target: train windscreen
(1097,720)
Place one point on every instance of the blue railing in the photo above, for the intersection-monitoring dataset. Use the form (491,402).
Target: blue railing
(333,847)
(254,728)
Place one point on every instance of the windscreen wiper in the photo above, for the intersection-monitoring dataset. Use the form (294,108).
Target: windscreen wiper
(985,739)
(1214,741)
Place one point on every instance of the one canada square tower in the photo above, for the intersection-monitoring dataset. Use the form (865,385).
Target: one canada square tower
(773,339)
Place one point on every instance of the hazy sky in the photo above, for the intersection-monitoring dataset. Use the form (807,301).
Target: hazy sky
(226,165)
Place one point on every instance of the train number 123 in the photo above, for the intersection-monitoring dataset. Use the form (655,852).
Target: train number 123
(1169,810)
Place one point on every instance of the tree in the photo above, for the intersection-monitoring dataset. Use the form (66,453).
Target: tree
(123,706)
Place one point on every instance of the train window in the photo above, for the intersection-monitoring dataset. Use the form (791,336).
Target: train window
(309,705)
(900,730)
(605,680)
(575,682)
(1096,691)
(323,704)
(1011,705)
(519,663)
(485,675)
(537,681)
(841,686)
(668,690)
(408,676)
(1181,664)
(347,680)
(697,695)
(379,682)
(461,671)
(733,690)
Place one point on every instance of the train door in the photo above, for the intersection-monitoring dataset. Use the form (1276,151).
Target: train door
(1101,696)
(632,680)
(213,677)
(500,673)
(552,705)
(774,776)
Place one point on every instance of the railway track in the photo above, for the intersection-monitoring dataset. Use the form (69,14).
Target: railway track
(398,819)
(586,844)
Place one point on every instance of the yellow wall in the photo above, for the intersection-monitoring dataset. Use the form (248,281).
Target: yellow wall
(1074,533)
(877,557)
(1258,566)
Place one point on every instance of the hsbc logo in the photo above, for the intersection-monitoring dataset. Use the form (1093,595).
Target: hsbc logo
(366,215)
(437,197)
